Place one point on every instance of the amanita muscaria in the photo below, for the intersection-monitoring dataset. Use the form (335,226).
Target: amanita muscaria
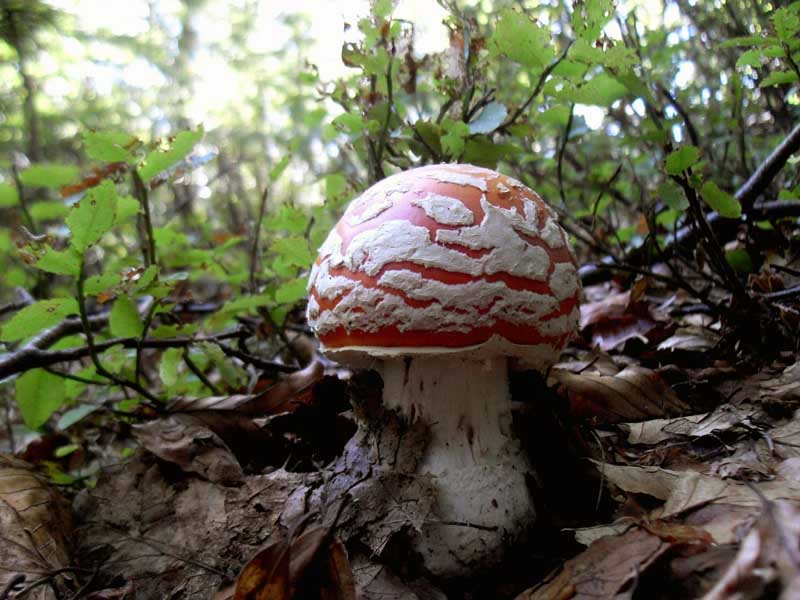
(437,277)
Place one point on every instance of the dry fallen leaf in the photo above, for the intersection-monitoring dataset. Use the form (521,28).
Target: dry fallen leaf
(185,440)
(723,418)
(279,396)
(786,387)
(768,554)
(610,566)
(718,506)
(633,394)
(313,565)
(691,339)
(617,318)
(35,526)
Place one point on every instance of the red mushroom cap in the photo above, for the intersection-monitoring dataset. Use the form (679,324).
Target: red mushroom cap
(446,258)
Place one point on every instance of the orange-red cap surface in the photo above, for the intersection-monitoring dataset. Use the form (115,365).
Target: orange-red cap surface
(451,258)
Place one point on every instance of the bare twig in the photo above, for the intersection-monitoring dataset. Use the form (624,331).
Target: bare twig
(687,119)
(140,189)
(766,171)
(560,162)
(23,199)
(31,357)
(199,374)
(93,354)
(262,207)
(148,320)
(724,228)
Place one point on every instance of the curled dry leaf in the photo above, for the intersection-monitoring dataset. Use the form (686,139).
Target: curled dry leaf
(35,526)
(769,553)
(617,318)
(278,396)
(633,394)
(723,418)
(313,565)
(786,387)
(610,566)
(718,506)
(691,339)
(784,440)
(376,581)
(186,441)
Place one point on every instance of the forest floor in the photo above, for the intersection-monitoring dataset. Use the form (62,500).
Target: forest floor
(667,466)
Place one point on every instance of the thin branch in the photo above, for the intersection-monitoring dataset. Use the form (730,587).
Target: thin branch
(199,374)
(560,162)
(31,357)
(23,199)
(148,320)
(262,207)
(93,353)
(140,189)
(766,171)
(687,119)
(254,360)
(724,228)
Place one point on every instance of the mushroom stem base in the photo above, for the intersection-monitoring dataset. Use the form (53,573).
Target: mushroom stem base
(483,503)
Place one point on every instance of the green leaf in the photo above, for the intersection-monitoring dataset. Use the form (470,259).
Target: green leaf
(8,195)
(483,152)
(291,291)
(778,78)
(233,375)
(751,58)
(108,146)
(67,262)
(288,218)
(602,90)
(721,201)
(97,284)
(127,207)
(168,367)
(159,161)
(489,118)
(672,195)
(49,175)
(335,185)
(453,142)
(73,415)
(37,316)
(557,115)
(350,123)
(522,40)
(279,168)
(65,450)
(786,21)
(740,260)
(124,320)
(39,394)
(382,8)
(49,210)
(147,277)
(93,216)
(245,303)
(293,249)
(589,17)
(681,159)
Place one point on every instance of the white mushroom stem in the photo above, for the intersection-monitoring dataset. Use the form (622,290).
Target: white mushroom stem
(483,503)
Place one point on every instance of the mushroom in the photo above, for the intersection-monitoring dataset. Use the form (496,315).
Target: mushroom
(437,277)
